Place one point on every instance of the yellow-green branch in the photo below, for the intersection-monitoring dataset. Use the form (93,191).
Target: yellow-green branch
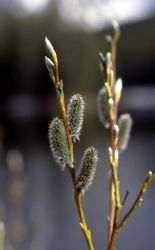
(83,224)
(146,184)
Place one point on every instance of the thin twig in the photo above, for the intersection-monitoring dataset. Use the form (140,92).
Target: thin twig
(115,203)
(114,167)
(146,184)
(125,198)
(150,177)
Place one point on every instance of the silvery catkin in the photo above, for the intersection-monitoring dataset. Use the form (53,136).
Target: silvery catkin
(75,115)
(88,169)
(58,142)
(125,123)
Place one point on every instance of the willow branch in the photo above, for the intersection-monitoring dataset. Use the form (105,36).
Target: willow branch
(112,208)
(78,194)
(115,203)
(115,189)
(54,75)
(83,224)
(60,96)
(145,186)
(79,206)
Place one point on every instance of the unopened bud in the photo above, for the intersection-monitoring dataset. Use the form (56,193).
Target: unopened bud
(50,68)
(140,201)
(50,50)
(108,60)
(101,57)
(150,173)
(111,103)
(48,46)
(110,151)
(101,62)
(116,27)
(118,90)
(116,129)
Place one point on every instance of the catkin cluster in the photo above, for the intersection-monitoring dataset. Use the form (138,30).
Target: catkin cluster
(58,135)
(59,144)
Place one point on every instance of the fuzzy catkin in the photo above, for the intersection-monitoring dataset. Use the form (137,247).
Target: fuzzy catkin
(87,169)
(125,123)
(103,106)
(58,142)
(75,115)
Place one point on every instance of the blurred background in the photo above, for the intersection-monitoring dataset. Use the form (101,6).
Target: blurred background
(36,198)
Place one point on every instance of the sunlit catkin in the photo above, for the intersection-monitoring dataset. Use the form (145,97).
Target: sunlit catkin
(87,170)
(58,142)
(75,115)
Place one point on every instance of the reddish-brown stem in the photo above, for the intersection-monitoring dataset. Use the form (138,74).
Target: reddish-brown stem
(70,142)
(125,198)
(59,84)
(111,219)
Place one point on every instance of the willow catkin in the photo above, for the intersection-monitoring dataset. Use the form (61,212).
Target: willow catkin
(87,169)
(125,123)
(58,142)
(103,107)
(75,115)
